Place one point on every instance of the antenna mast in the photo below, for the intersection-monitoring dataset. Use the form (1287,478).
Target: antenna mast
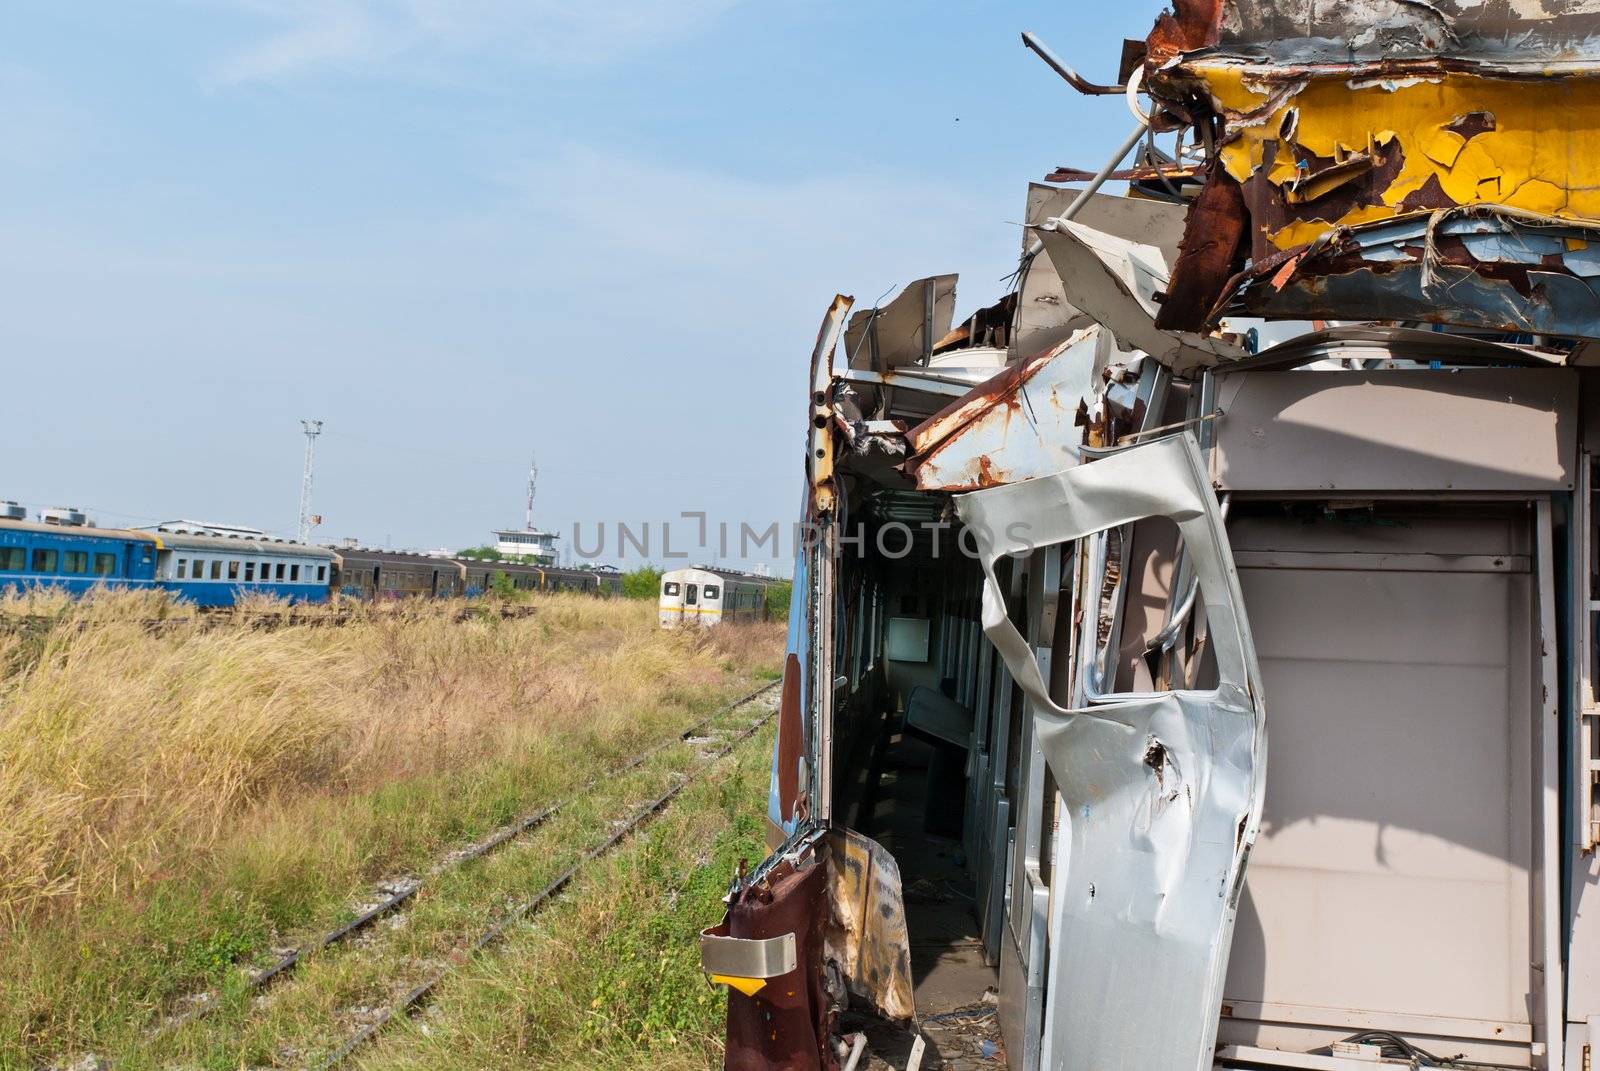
(533,480)
(313,428)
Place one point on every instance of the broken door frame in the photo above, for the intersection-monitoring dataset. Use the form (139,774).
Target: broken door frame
(1166,869)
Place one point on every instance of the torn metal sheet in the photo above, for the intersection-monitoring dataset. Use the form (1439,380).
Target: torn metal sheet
(1322,154)
(1509,35)
(1044,316)
(1483,268)
(1332,117)
(866,934)
(1020,424)
(1161,791)
(904,331)
(1116,281)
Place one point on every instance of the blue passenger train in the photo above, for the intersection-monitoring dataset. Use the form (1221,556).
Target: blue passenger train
(214,565)
(74,559)
(205,569)
(215,570)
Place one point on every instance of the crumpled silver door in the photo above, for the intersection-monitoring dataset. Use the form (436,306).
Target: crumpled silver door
(1161,791)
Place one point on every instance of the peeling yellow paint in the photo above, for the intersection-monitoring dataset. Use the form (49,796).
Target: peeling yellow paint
(1542,156)
(748,986)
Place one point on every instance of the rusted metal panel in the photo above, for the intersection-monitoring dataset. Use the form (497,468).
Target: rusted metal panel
(866,934)
(781,1026)
(789,750)
(1516,32)
(1214,238)
(1020,424)
(1336,117)
(1480,268)
(1473,429)
(819,451)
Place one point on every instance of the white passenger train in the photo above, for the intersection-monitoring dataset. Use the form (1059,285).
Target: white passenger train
(700,598)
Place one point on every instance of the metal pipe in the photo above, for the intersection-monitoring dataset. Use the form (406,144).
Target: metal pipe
(855,1052)
(1073,78)
(1095,183)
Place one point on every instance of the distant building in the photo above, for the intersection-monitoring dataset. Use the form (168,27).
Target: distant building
(526,543)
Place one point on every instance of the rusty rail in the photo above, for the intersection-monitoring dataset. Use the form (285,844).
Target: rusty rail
(414,997)
(402,893)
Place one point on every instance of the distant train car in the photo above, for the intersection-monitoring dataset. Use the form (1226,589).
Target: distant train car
(387,574)
(211,570)
(391,574)
(73,558)
(523,577)
(701,598)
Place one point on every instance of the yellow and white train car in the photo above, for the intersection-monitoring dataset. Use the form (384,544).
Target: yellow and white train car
(701,598)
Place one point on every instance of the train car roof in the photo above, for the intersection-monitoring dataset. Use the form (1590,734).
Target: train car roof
(225,544)
(725,575)
(127,534)
(508,567)
(368,554)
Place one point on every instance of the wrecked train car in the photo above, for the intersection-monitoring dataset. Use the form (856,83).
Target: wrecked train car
(1294,442)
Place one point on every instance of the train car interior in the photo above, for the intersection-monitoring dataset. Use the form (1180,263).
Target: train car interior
(969,596)
(905,722)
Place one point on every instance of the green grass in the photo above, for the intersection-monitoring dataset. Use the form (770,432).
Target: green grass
(610,977)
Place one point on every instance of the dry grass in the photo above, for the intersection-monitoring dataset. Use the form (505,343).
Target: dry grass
(175,800)
(122,746)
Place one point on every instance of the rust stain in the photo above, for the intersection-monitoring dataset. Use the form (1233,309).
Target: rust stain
(791,739)
(1191,24)
(1214,240)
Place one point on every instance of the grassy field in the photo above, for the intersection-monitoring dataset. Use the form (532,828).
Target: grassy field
(175,803)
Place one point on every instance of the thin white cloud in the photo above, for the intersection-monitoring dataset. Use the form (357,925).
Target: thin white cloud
(392,37)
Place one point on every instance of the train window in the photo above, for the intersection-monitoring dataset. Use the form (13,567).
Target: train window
(75,561)
(183,568)
(233,570)
(249,572)
(216,569)
(280,570)
(689,592)
(44,561)
(105,565)
(322,573)
(13,559)
(711,592)
(294,571)
(670,588)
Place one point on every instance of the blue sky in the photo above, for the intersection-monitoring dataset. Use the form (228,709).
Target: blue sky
(461,232)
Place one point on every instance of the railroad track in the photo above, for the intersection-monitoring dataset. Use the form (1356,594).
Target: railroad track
(399,893)
(418,995)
